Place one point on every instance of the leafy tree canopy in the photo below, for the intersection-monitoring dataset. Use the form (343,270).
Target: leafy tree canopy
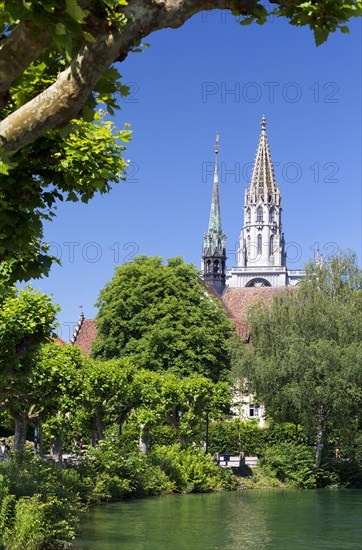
(56,68)
(28,383)
(162,317)
(27,319)
(306,354)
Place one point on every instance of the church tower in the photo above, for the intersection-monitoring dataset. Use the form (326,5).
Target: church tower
(261,238)
(214,248)
(261,258)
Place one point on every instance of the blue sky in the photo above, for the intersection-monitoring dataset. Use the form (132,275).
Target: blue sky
(213,75)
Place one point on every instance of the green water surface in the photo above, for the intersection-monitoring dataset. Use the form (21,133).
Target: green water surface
(268,519)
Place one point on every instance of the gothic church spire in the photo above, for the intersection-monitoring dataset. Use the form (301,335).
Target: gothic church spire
(215,215)
(261,240)
(214,251)
(263,184)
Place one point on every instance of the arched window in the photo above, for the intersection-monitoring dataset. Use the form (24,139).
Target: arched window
(248,215)
(258,282)
(208,266)
(260,245)
(259,215)
(216,266)
(271,215)
(271,249)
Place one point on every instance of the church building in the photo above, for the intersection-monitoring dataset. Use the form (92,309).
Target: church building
(261,272)
(261,253)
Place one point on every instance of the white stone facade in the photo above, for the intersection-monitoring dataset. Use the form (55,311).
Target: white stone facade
(261,254)
(244,407)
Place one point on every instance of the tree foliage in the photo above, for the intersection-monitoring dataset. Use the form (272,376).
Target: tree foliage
(162,317)
(306,354)
(57,66)
(27,318)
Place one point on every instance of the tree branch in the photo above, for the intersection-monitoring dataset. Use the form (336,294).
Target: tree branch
(18,50)
(62,101)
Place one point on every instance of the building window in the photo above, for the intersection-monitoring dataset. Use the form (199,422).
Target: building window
(253,411)
(248,216)
(260,245)
(271,251)
(271,215)
(208,266)
(259,215)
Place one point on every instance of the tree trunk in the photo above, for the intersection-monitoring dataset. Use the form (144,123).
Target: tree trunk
(97,434)
(320,439)
(40,439)
(175,418)
(144,439)
(21,425)
(57,449)
(184,440)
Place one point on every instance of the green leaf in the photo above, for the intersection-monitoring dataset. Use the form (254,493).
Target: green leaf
(75,11)
(60,29)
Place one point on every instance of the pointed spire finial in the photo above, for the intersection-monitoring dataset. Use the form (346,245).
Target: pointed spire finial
(263,123)
(216,167)
(217,144)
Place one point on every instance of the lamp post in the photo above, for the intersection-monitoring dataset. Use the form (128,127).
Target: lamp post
(36,435)
(207,434)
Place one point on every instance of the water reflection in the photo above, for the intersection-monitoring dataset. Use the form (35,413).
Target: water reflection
(270,520)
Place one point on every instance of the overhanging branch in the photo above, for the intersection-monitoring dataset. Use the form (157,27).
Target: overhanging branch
(18,50)
(62,101)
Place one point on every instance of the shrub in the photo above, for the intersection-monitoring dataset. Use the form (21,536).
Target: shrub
(291,463)
(340,473)
(235,436)
(37,523)
(38,505)
(190,470)
(117,476)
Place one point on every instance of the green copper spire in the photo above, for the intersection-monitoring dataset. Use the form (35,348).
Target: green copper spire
(215,216)
(215,238)
(214,251)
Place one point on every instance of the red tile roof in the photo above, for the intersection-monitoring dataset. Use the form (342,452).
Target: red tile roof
(239,300)
(86,335)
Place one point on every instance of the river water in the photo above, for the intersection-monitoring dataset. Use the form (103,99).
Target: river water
(242,520)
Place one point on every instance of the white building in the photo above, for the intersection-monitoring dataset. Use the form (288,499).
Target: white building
(261,253)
